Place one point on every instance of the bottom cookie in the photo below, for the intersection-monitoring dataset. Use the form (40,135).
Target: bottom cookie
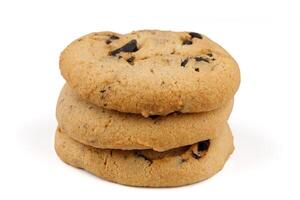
(148,168)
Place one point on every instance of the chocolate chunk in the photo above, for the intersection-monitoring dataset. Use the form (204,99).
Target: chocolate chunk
(201,148)
(154,116)
(131,60)
(184,62)
(187,42)
(210,54)
(145,158)
(203,145)
(131,46)
(197,69)
(114,37)
(195,156)
(199,59)
(195,35)
(182,160)
(102,91)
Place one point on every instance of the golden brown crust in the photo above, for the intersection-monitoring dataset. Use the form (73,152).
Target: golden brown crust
(146,167)
(163,72)
(102,128)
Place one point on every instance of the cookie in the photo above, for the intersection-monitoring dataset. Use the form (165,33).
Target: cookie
(150,72)
(102,128)
(176,167)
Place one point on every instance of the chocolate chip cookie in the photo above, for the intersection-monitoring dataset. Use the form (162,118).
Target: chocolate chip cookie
(151,72)
(102,128)
(176,167)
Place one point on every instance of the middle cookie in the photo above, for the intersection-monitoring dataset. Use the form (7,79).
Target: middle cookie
(102,128)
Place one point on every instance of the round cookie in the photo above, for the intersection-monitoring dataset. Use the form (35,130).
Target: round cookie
(148,168)
(102,128)
(150,72)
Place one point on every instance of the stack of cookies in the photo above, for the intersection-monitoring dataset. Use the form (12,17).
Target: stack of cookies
(148,108)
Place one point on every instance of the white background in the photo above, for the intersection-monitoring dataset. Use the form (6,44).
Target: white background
(263,36)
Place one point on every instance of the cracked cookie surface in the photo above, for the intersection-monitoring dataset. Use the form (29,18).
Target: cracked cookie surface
(176,167)
(150,72)
(102,128)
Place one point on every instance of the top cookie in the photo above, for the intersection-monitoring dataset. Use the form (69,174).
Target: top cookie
(150,72)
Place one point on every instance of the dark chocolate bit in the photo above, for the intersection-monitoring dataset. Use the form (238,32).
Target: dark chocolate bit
(182,160)
(131,46)
(203,145)
(196,156)
(154,116)
(102,91)
(210,54)
(196,35)
(131,60)
(187,42)
(184,62)
(199,59)
(114,37)
(197,69)
(145,158)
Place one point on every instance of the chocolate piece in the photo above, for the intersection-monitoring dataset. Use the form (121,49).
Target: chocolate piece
(184,62)
(131,46)
(210,54)
(196,156)
(204,145)
(196,35)
(182,160)
(131,60)
(154,116)
(114,37)
(187,42)
(197,69)
(145,158)
(201,148)
(102,91)
(199,59)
